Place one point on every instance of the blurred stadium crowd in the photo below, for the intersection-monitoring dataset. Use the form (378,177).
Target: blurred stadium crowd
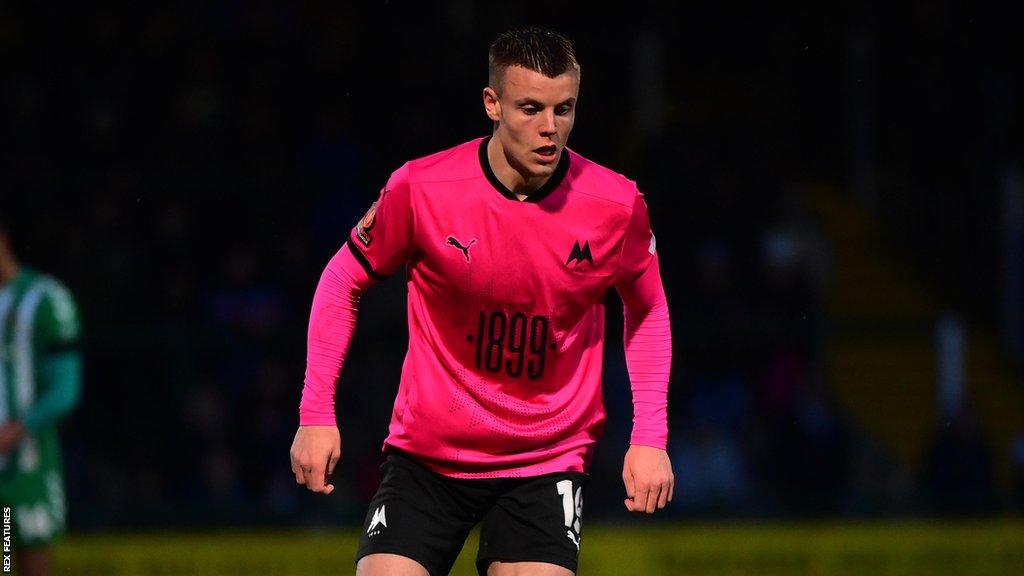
(188,171)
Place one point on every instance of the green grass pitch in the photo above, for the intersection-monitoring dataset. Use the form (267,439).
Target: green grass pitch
(769,549)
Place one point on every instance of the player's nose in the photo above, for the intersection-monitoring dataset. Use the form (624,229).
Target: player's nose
(548,124)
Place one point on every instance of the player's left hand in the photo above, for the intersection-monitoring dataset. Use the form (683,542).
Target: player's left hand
(647,473)
(10,434)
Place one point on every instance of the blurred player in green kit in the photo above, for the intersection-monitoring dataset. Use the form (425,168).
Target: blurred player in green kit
(40,380)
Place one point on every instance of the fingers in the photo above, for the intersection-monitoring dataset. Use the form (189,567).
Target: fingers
(627,480)
(328,470)
(663,497)
(314,455)
(652,496)
(648,498)
(650,484)
(335,456)
(315,477)
(643,497)
(331,462)
(641,501)
(297,469)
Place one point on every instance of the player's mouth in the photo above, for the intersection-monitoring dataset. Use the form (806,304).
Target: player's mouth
(546,154)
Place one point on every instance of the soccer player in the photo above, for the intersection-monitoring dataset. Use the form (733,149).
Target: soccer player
(510,244)
(40,379)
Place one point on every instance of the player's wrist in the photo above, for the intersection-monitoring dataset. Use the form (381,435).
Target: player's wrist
(314,419)
(649,443)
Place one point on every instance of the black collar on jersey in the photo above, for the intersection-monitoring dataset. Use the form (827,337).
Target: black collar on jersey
(541,193)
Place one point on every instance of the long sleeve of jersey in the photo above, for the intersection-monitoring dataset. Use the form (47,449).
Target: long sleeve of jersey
(62,381)
(647,335)
(59,368)
(376,247)
(332,322)
(647,340)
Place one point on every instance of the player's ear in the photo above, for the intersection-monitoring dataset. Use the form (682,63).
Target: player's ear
(492,106)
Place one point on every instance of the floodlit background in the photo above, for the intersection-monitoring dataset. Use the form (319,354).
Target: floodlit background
(838,198)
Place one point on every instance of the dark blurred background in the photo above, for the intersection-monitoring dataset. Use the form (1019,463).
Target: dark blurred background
(837,194)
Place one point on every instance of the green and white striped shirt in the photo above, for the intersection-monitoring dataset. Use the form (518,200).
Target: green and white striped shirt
(38,319)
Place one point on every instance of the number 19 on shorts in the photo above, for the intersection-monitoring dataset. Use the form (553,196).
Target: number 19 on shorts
(572,509)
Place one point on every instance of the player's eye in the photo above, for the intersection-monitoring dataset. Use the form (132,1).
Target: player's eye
(563,110)
(529,110)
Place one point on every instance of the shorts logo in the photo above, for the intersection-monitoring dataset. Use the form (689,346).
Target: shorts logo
(454,242)
(378,520)
(367,223)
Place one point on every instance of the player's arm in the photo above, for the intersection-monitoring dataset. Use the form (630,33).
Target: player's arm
(376,247)
(647,470)
(59,376)
(317,445)
(62,374)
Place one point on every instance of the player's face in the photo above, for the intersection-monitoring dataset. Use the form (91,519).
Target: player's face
(535,115)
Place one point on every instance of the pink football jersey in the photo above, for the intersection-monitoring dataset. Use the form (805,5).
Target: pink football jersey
(506,307)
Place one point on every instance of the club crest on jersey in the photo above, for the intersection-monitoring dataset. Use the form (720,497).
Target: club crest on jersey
(454,243)
(366,224)
(579,255)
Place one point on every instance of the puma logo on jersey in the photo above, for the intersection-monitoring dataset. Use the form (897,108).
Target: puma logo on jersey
(378,520)
(452,241)
(579,254)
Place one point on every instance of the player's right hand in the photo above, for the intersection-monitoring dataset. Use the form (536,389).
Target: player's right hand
(315,451)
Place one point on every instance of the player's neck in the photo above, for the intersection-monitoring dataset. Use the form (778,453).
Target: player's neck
(514,180)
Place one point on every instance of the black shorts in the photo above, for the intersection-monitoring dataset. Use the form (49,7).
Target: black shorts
(425,516)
